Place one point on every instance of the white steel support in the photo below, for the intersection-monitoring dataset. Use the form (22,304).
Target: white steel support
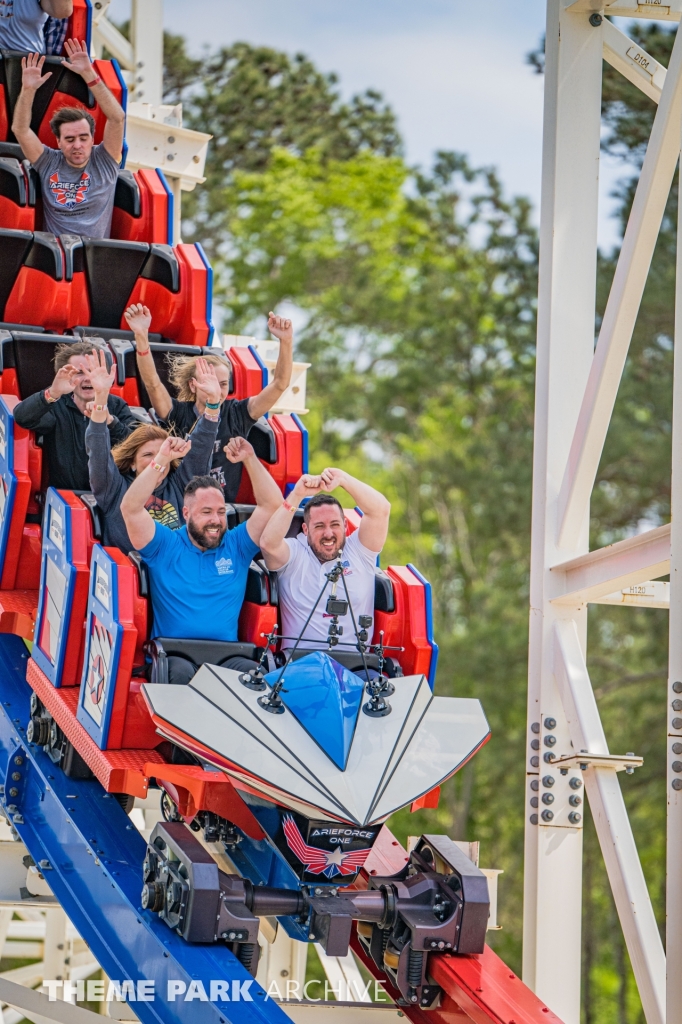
(612,824)
(568,248)
(146,35)
(623,304)
(674,721)
(576,393)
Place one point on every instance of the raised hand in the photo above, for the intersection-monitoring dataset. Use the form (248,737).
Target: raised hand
(307,487)
(172,448)
(206,382)
(64,381)
(238,449)
(101,378)
(32,76)
(79,59)
(331,478)
(138,318)
(280,327)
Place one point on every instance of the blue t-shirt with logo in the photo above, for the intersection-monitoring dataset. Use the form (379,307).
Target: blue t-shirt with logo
(196,594)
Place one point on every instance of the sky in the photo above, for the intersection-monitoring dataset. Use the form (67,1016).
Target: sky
(453,70)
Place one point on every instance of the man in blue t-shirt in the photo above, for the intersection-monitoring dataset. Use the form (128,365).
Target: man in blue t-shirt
(198,573)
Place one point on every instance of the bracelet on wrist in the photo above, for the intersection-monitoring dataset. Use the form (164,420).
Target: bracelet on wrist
(213,406)
(145,352)
(95,81)
(99,408)
(211,416)
(288,507)
(157,466)
(49,398)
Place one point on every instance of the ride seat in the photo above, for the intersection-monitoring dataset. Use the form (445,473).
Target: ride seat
(141,207)
(16,211)
(198,652)
(63,88)
(33,284)
(20,471)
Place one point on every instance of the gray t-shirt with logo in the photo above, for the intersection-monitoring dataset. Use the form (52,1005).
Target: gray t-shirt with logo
(21,25)
(77,201)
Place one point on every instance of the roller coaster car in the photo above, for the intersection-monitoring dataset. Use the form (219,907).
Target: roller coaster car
(298,797)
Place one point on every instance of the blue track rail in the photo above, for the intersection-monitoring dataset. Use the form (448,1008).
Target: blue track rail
(96,855)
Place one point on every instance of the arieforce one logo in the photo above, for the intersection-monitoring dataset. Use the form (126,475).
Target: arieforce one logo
(70,193)
(323,862)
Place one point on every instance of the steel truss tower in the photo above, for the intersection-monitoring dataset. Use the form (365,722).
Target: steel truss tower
(577,382)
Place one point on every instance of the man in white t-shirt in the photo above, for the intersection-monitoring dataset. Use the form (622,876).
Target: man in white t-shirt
(302,562)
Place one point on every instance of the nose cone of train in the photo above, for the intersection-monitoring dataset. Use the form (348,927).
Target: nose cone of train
(391,761)
(325,698)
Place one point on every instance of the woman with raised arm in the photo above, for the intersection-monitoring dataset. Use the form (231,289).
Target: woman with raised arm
(237,416)
(113,471)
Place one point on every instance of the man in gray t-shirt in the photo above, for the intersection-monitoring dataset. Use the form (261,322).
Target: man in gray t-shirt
(22,22)
(78,179)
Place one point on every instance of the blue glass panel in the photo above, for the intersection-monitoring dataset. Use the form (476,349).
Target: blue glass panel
(325,698)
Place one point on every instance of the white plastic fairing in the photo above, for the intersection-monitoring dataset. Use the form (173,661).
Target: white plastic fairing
(392,761)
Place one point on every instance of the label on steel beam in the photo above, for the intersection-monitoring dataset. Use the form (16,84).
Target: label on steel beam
(642,60)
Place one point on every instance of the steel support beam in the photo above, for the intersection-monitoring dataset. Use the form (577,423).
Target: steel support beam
(568,248)
(633,62)
(623,305)
(673,730)
(612,824)
(623,564)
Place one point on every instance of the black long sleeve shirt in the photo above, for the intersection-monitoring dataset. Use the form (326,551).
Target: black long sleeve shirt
(62,426)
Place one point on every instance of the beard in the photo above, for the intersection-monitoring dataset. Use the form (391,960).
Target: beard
(200,537)
(323,555)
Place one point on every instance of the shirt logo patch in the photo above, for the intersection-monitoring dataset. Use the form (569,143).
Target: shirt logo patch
(224,566)
(70,193)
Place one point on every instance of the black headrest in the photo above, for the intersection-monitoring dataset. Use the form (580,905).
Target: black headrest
(112,268)
(14,246)
(296,524)
(93,508)
(162,267)
(127,194)
(46,255)
(12,181)
(264,442)
(142,572)
(384,598)
(257,585)
(11,149)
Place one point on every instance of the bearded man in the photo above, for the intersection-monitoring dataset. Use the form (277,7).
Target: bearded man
(303,562)
(198,573)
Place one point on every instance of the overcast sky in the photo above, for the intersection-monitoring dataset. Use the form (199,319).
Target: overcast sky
(453,70)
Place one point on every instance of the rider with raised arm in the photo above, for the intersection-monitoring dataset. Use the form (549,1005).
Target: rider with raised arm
(60,415)
(237,416)
(198,573)
(303,562)
(112,472)
(78,179)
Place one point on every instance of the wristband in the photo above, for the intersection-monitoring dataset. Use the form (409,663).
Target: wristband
(147,352)
(288,507)
(210,417)
(98,408)
(214,406)
(48,397)
(157,466)
(96,80)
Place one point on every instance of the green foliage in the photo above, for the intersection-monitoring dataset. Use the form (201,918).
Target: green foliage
(418,290)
